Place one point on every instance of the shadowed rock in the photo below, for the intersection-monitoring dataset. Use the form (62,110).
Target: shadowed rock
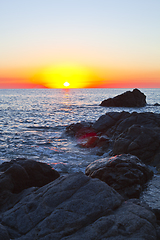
(76,207)
(140,141)
(125,173)
(20,174)
(128,99)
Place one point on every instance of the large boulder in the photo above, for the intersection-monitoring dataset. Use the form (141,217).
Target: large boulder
(75,207)
(22,173)
(125,173)
(133,98)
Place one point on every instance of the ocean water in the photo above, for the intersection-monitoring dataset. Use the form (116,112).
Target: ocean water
(33,121)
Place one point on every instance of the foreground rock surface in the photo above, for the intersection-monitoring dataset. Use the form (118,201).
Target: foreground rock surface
(76,207)
(125,173)
(133,98)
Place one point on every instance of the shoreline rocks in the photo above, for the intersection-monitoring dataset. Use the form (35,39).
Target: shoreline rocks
(75,207)
(133,98)
(130,133)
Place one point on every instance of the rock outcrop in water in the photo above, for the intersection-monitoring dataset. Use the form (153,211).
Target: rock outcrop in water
(131,133)
(133,98)
(75,207)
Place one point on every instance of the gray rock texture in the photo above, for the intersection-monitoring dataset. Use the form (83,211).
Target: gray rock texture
(141,141)
(75,207)
(133,98)
(20,174)
(125,173)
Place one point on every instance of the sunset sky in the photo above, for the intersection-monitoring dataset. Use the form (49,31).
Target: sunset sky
(79,43)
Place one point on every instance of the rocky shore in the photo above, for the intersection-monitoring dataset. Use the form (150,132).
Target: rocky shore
(117,198)
(75,206)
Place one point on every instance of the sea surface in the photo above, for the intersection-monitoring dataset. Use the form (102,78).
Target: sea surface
(33,122)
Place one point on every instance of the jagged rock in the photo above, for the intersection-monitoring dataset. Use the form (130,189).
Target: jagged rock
(125,173)
(75,207)
(128,99)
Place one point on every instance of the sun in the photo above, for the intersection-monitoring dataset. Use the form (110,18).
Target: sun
(65,76)
(66,84)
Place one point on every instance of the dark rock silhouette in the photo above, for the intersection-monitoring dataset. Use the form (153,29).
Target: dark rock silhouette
(125,173)
(156,104)
(133,98)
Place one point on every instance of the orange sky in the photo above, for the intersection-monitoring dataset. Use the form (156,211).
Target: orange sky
(78,77)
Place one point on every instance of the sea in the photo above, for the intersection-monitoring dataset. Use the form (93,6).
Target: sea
(33,123)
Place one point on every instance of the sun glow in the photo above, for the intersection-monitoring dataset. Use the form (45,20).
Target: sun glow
(68,76)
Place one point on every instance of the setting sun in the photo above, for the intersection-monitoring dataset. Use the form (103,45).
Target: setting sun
(67,75)
(66,84)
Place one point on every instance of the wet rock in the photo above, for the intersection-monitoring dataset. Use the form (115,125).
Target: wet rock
(125,173)
(76,129)
(78,207)
(133,98)
(151,195)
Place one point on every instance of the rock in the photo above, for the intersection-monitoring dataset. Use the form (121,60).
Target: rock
(128,99)
(27,173)
(140,141)
(74,129)
(125,173)
(21,174)
(75,207)
(134,133)
(3,233)
(108,120)
(156,104)
(104,122)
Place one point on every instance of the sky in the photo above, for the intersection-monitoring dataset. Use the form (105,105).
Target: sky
(84,43)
